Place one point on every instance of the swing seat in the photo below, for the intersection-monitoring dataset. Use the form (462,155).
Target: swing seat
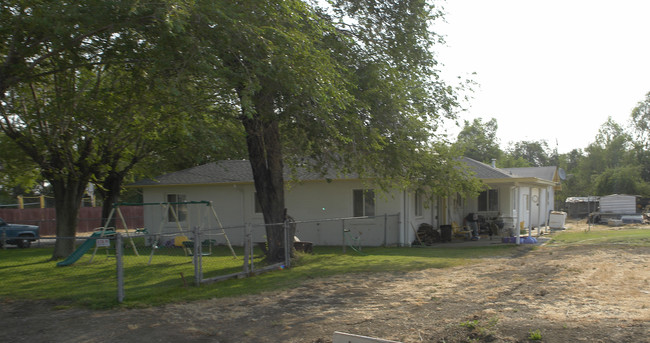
(189,247)
(179,240)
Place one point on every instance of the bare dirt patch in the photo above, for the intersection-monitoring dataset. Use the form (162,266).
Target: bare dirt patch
(577,293)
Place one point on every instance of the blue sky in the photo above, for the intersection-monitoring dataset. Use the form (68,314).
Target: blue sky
(552,70)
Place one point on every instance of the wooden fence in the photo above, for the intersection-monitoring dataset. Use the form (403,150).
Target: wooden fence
(89,218)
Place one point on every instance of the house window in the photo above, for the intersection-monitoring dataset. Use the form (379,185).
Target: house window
(489,200)
(174,207)
(363,202)
(418,204)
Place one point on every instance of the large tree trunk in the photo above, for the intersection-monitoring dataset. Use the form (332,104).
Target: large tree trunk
(265,154)
(110,193)
(67,199)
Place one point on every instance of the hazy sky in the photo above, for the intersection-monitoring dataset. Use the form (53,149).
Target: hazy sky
(550,69)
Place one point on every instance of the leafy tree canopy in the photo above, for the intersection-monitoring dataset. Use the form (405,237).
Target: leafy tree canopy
(350,86)
(537,153)
(479,140)
(641,130)
(88,89)
(621,180)
(17,171)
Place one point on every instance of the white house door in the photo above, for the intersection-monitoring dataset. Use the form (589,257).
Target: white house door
(534,207)
(524,205)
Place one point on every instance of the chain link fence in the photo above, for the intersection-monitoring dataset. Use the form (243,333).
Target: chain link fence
(198,256)
(136,262)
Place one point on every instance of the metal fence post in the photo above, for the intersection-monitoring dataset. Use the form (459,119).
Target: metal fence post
(287,245)
(197,256)
(385,243)
(247,248)
(251,246)
(119,268)
(343,234)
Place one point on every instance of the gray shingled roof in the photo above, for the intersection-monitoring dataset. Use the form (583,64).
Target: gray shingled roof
(485,171)
(544,173)
(240,171)
(215,172)
(228,171)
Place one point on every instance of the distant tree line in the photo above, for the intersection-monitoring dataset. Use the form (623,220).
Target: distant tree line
(616,162)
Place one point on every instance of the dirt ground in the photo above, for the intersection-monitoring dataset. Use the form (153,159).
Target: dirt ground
(578,293)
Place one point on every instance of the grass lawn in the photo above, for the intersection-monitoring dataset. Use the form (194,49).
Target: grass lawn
(27,274)
(628,235)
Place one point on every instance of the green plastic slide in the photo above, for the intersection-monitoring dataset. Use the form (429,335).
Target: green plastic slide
(83,248)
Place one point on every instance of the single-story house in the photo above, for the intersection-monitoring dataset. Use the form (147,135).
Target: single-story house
(520,196)
(319,202)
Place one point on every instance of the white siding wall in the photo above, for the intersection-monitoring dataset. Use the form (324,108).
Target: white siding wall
(308,201)
(234,205)
(618,203)
(320,200)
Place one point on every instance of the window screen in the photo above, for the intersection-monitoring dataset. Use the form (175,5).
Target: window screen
(363,202)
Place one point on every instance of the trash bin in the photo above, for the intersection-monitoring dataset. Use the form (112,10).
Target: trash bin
(556,220)
(445,233)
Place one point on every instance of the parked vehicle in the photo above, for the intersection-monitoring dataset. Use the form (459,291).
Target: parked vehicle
(17,234)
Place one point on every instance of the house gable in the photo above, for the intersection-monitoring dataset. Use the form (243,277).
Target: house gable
(484,171)
(550,173)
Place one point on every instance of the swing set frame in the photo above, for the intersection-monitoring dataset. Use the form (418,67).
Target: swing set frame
(165,208)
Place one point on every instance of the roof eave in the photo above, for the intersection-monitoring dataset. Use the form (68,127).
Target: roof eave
(234,183)
(189,184)
(515,180)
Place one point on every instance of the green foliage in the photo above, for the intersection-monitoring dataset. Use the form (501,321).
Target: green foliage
(396,101)
(352,101)
(509,161)
(478,140)
(613,163)
(621,180)
(537,153)
(535,335)
(641,120)
(17,171)
(90,89)
(481,329)
(641,130)
(470,324)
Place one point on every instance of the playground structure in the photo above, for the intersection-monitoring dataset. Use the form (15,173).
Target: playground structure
(155,239)
(354,242)
(84,247)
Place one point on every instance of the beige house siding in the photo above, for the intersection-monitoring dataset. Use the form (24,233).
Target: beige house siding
(315,203)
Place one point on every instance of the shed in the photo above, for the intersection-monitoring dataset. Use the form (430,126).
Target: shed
(580,207)
(618,203)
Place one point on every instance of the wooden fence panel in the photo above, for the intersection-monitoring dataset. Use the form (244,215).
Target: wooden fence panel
(89,218)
